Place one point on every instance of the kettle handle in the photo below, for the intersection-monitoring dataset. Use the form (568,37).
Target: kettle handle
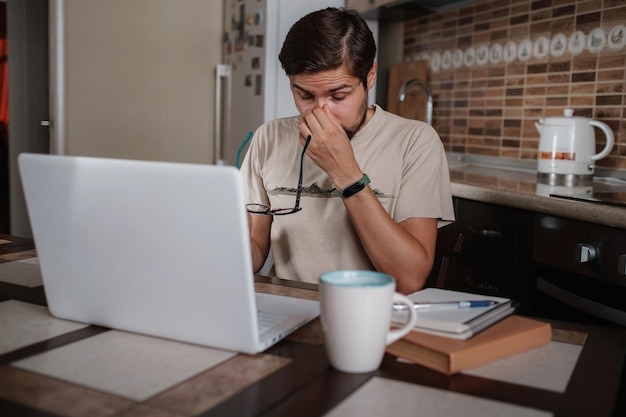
(609,139)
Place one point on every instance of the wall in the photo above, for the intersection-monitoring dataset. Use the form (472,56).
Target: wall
(489,108)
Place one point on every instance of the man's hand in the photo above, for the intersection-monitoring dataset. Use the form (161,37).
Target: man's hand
(330,147)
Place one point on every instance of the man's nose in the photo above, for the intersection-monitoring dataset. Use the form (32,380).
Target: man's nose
(320,101)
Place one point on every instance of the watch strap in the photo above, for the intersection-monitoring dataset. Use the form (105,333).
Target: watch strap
(355,187)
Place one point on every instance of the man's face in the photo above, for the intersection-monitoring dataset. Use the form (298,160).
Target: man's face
(344,95)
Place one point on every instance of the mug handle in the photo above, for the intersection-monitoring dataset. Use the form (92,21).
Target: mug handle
(396,334)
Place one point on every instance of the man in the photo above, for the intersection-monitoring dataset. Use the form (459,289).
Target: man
(374,184)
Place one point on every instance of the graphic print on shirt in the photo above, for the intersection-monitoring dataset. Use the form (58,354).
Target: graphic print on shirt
(316,191)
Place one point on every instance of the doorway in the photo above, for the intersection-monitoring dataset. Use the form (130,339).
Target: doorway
(28,98)
(4,130)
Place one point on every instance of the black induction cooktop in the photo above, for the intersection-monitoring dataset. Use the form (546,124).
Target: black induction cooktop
(606,198)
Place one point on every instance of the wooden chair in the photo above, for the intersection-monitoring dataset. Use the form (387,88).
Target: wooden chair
(449,244)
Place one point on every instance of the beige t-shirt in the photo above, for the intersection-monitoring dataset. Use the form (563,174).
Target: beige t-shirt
(407,166)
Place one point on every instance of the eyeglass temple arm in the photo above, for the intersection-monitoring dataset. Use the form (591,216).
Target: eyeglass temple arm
(240,150)
(299,192)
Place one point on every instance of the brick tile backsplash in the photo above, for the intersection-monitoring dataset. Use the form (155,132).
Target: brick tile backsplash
(490,107)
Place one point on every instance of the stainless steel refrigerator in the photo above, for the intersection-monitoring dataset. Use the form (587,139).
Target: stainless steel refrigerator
(251,86)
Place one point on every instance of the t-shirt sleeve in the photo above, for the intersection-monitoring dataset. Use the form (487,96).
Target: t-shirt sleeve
(254,189)
(425,187)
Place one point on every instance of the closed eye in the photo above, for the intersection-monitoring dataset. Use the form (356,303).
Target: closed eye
(334,97)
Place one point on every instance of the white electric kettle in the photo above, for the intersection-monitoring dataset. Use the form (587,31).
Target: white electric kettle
(567,145)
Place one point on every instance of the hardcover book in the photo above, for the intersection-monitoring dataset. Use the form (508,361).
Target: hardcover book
(512,335)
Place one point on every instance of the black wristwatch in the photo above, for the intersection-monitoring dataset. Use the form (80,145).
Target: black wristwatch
(355,187)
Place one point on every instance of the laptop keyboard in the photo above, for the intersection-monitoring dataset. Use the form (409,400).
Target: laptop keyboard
(267,319)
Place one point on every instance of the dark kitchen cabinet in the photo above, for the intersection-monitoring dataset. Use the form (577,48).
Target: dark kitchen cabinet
(497,251)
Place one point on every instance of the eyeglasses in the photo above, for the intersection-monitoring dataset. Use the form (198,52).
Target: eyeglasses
(264,209)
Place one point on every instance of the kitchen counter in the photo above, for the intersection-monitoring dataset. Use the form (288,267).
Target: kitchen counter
(514,183)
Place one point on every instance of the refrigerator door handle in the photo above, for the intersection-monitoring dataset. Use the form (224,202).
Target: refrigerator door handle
(57,78)
(222,104)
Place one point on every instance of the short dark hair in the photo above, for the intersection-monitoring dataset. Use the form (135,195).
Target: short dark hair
(327,39)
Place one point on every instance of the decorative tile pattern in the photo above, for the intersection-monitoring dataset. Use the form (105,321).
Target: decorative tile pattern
(128,365)
(24,272)
(22,324)
(58,397)
(218,384)
(386,397)
(490,109)
(142,410)
(547,367)
(194,396)
(114,373)
(568,336)
(16,256)
(281,290)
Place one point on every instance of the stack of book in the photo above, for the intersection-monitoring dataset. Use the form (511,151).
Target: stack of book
(457,330)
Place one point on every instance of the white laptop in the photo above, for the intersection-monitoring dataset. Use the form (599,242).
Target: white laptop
(158,248)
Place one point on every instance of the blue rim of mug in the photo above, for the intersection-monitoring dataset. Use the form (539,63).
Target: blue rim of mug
(356,278)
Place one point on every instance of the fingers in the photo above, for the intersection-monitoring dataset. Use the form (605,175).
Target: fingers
(311,125)
(320,123)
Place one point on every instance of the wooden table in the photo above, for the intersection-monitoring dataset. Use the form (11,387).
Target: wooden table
(292,378)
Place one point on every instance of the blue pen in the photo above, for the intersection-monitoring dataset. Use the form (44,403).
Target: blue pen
(449,304)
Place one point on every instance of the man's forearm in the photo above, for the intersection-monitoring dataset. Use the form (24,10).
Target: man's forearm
(403,251)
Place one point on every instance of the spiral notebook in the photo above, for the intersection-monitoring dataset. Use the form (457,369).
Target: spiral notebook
(455,322)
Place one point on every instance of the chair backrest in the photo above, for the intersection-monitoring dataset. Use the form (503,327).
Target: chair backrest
(449,244)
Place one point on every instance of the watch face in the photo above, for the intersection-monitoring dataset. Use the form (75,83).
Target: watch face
(353,189)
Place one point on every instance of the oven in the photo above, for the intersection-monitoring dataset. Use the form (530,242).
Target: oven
(580,271)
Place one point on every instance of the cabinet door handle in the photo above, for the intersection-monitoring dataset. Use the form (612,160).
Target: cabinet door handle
(580,302)
(494,234)
(585,253)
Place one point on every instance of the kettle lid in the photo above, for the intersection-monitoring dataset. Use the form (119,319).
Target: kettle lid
(568,119)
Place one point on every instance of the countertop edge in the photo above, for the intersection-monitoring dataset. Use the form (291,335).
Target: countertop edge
(588,212)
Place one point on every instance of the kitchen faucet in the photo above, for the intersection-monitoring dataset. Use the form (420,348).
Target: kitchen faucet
(407,86)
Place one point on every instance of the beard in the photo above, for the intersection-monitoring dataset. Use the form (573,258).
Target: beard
(361,117)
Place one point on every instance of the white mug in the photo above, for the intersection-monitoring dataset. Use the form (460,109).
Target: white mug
(356,311)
